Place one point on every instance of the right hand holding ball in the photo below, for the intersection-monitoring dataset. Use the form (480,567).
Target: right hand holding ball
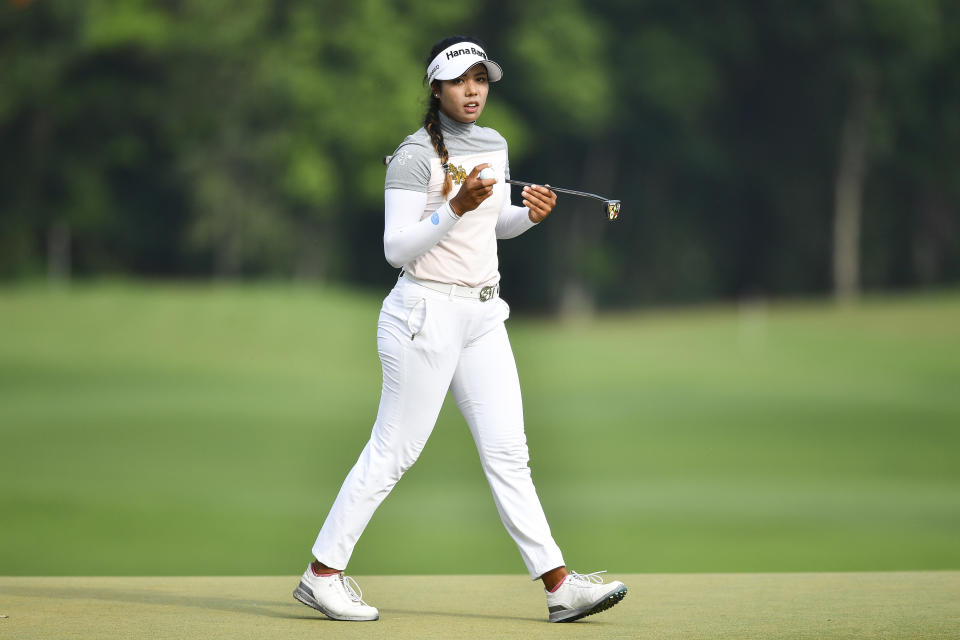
(473,192)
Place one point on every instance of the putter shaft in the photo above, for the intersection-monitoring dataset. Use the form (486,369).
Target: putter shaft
(561,190)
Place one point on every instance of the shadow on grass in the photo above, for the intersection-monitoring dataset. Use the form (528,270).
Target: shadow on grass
(135,596)
(229,605)
(459,614)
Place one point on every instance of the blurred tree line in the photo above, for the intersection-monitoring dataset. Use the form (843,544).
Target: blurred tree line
(760,148)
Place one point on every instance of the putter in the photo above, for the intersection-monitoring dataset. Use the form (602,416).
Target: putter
(611,208)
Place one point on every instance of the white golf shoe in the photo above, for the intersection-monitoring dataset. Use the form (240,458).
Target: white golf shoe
(337,596)
(583,595)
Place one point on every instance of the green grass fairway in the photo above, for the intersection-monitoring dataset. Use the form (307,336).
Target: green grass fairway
(736,606)
(205,430)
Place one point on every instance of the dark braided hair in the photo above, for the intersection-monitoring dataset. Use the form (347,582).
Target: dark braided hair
(431,121)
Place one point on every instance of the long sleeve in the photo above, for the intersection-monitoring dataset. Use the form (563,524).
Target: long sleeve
(405,235)
(513,221)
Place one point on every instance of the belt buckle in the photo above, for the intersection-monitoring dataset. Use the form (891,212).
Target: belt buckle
(486,293)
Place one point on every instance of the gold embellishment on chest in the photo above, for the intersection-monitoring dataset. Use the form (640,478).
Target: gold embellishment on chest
(456,173)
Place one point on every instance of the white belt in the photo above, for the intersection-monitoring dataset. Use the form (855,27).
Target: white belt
(477,293)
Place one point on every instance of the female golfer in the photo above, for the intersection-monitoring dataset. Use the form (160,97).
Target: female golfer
(442,328)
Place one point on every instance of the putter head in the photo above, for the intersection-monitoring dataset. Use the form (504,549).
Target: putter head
(612,209)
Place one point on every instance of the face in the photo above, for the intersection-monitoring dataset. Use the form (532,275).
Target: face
(463,98)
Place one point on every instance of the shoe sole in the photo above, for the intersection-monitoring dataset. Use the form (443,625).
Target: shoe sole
(603,604)
(303,594)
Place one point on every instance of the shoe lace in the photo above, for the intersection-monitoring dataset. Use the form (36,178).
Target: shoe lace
(352,588)
(588,577)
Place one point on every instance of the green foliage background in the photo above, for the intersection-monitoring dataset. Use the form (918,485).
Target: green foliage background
(243,139)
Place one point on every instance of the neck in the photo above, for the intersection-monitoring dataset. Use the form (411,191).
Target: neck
(455,127)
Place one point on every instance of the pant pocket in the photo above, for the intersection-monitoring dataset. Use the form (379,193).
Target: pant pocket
(417,318)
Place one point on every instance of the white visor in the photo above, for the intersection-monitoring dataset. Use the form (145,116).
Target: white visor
(453,61)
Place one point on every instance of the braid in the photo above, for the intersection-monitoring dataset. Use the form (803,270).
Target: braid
(431,122)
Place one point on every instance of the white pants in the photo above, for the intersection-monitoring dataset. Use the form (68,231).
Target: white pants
(430,342)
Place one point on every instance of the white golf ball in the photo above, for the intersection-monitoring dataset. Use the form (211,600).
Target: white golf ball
(486,174)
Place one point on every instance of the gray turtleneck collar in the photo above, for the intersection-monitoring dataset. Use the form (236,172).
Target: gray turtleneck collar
(453,127)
